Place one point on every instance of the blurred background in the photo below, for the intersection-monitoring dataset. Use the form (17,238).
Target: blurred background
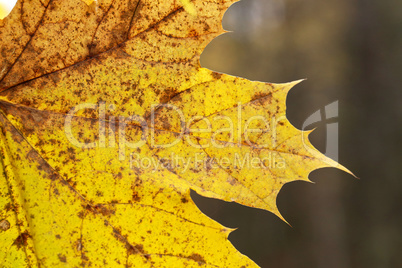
(350,51)
(5,7)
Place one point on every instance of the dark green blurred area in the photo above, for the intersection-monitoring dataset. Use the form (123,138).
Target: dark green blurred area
(351,51)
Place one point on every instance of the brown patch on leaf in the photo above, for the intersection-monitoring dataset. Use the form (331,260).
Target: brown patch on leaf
(197,257)
(216,75)
(260,95)
(135,249)
(21,240)
(8,207)
(56,191)
(136,197)
(104,210)
(62,257)
(167,94)
(4,225)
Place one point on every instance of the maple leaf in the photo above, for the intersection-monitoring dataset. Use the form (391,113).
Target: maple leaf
(107,121)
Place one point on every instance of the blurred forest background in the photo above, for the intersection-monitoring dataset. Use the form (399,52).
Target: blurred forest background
(350,51)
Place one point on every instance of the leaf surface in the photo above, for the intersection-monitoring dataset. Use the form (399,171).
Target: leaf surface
(74,188)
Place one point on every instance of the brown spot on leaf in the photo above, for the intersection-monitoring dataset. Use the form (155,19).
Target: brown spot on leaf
(216,75)
(135,249)
(197,257)
(21,240)
(62,258)
(167,94)
(104,210)
(260,95)
(4,225)
(8,207)
(56,191)
(136,197)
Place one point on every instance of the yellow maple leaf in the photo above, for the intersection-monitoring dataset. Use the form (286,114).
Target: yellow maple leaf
(107,121)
